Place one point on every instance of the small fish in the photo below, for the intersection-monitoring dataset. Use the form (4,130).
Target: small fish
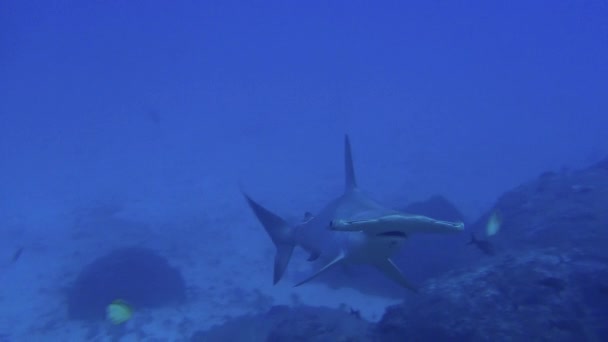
(17,254)
(484,245)
(494,223)
(119,312)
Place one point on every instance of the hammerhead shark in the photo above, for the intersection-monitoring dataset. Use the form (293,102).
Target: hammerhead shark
(351,229)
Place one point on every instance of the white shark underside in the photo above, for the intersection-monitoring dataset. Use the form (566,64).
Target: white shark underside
(353,228)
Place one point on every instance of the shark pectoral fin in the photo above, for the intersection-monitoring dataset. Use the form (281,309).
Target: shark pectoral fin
(314,256)
(323,269)
(391,270)
(281,260)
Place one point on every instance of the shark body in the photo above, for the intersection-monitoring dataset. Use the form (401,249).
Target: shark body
(352,228)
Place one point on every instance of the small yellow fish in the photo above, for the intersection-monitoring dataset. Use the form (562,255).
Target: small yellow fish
(494,223)
(119,312)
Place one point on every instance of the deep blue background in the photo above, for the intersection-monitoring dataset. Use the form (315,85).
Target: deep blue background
(146,98)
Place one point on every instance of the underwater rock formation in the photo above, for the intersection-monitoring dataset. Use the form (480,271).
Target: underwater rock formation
(136,275)
(566,209)
(548,282)
(547,295)
(540,295)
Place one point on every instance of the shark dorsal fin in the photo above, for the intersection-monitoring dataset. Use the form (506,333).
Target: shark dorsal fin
(350,181)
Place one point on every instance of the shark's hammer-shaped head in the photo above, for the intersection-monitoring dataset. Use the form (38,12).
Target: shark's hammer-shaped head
(397,224)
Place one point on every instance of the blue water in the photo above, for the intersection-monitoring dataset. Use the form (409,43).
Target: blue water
(165,107)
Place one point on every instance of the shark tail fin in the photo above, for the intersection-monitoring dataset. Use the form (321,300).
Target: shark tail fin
(280,232)
(350,181)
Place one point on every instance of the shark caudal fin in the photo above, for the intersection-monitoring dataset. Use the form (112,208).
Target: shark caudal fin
(350,182)
(281,234)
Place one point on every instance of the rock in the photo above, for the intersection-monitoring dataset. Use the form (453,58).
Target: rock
(542,295)
(136,275)
(555,210)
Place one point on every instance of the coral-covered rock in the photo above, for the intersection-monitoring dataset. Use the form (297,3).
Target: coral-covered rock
(136,275)
(556,210)
(544,295)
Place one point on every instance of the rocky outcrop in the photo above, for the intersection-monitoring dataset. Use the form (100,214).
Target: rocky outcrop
(136,275)
(565,210)
(541,295)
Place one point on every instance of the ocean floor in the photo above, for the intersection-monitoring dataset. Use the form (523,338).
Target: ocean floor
(543,281)
(224,256)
